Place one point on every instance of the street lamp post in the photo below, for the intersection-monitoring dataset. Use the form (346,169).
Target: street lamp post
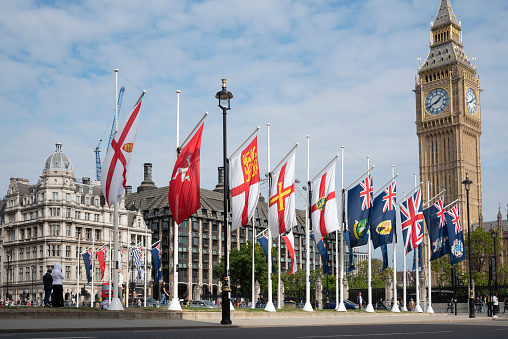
(9,255)
(467,184)
(493,270)
(32,298)
(225,97)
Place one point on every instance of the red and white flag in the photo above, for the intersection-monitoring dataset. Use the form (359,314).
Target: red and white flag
(289,239)
(324,205)
(116,163)
(183,195)
(245,185)
(281,210)
(101,257)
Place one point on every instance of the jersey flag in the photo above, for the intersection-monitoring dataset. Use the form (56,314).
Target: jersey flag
(245,185)
(116,163)
(183,195)
(324,204)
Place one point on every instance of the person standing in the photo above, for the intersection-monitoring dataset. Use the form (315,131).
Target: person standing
(164,294)
(57,275)
(47,279)
(359,300)
(495,301)
(411,304)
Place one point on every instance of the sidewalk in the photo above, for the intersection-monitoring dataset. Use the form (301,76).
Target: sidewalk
(75,319)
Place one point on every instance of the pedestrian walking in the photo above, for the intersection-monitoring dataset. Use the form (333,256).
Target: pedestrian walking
(450,306)
(359,300)
(47,279)
(57,300)
(164,294)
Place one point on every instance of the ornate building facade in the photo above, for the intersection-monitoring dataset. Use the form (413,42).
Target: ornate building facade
(55,220)
(448,119)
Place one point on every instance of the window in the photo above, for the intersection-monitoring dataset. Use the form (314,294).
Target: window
(96,202)
(68,196)
(28,252)
(22,234)
(88,234)
(78,251)
(67,272)
(97,234)
(90,190)
(68,251)
(20,274)
(54,250)
(55,211)
(68,230)
(21,254)
(55,195)
(68,213)
(78,199)
(78,232)
(34,252)
(27,273)
(80,189)
(87,216)
(96,217)
(41,251)
(54,230)
(76,215)
(87,200)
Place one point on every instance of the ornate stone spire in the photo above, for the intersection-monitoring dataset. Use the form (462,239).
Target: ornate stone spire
(445,16)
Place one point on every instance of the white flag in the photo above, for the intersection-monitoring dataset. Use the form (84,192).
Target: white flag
(245,185)
(324,204)
(116,163)
(281,211)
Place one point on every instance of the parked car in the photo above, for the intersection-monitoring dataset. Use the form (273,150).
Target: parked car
(350,305)
(202,304)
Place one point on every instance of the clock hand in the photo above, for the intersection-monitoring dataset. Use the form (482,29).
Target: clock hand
(437,101)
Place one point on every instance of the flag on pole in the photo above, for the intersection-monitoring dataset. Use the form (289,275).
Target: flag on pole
(101,257)
(136,256)
(289,240)
(324,204)
(419,258)
(359,202)
(384,253)
(410,276)
(245,185)
(411,217)
(383,217)
(156,258)
(436,226)
(282,206)
(87,259)
(263,241)
(455,236)
(322,251)
(116,163)
(183,195)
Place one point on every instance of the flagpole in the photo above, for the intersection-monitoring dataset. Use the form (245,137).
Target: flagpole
(110,268)
(116,304)
(174,305)
(341,307)
(77,278)
(269,305)
(395,306)
(369,307)
(278,275)
(417,307)
(307,307)
(146,261)
(429,306)
(127,286)
(404,301)
(93,264)
(253,262)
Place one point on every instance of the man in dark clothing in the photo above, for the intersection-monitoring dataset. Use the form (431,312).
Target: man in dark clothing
(48,286)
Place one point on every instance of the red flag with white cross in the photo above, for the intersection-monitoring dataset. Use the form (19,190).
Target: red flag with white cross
(282,209)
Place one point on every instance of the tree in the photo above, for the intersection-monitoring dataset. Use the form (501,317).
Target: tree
(482,249)
(360,280)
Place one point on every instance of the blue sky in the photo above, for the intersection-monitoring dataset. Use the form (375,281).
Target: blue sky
(340,71)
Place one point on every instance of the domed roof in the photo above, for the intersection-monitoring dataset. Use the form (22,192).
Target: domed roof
(58,160)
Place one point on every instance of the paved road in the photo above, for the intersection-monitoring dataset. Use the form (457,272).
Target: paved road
(476,329)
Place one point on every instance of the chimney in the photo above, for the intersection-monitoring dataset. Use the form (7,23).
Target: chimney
(148,172)
(220,180)
(128,189)
(86,181)
(147,183)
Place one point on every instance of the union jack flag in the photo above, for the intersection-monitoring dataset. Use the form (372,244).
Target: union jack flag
(105,252)
(90,253)
(389,198)
(367,193)
(440,212)
(411,216)
(159,249)
(410,276)
(454,213)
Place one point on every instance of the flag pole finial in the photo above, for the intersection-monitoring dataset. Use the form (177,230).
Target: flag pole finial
(223,83)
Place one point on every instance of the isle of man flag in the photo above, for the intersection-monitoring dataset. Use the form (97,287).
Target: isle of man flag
(282,208)
(245,185)
(324,204)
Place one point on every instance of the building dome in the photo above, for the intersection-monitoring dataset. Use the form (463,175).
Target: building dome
(58,160)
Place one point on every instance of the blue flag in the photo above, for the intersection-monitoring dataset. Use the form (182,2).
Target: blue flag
(263,241)
(322,250)
(87,258)
(382,217)
(156,262)
(455,236)
(359,202)
(384,252)
(438,231)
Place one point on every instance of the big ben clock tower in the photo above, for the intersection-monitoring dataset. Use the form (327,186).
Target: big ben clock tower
(448,118)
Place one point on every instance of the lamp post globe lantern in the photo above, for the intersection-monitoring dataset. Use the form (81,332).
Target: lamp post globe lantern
(225,97)
(467,185)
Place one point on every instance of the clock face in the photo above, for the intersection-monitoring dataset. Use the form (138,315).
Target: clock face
(437,101)
(471,101)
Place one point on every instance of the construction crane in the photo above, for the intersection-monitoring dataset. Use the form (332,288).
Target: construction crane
(111,135)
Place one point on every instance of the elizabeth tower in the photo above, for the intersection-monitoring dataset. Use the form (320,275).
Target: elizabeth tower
(448,118)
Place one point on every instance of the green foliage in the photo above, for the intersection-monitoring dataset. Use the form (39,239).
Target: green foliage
(360,280)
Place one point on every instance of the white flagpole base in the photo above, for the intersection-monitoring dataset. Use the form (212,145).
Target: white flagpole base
(418,309)
(429,309)
(395,308)
(174,305)
(231,308)
(269,307)
(369,308)
(341,307)
(403,309)
(116,305)
(308,307)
